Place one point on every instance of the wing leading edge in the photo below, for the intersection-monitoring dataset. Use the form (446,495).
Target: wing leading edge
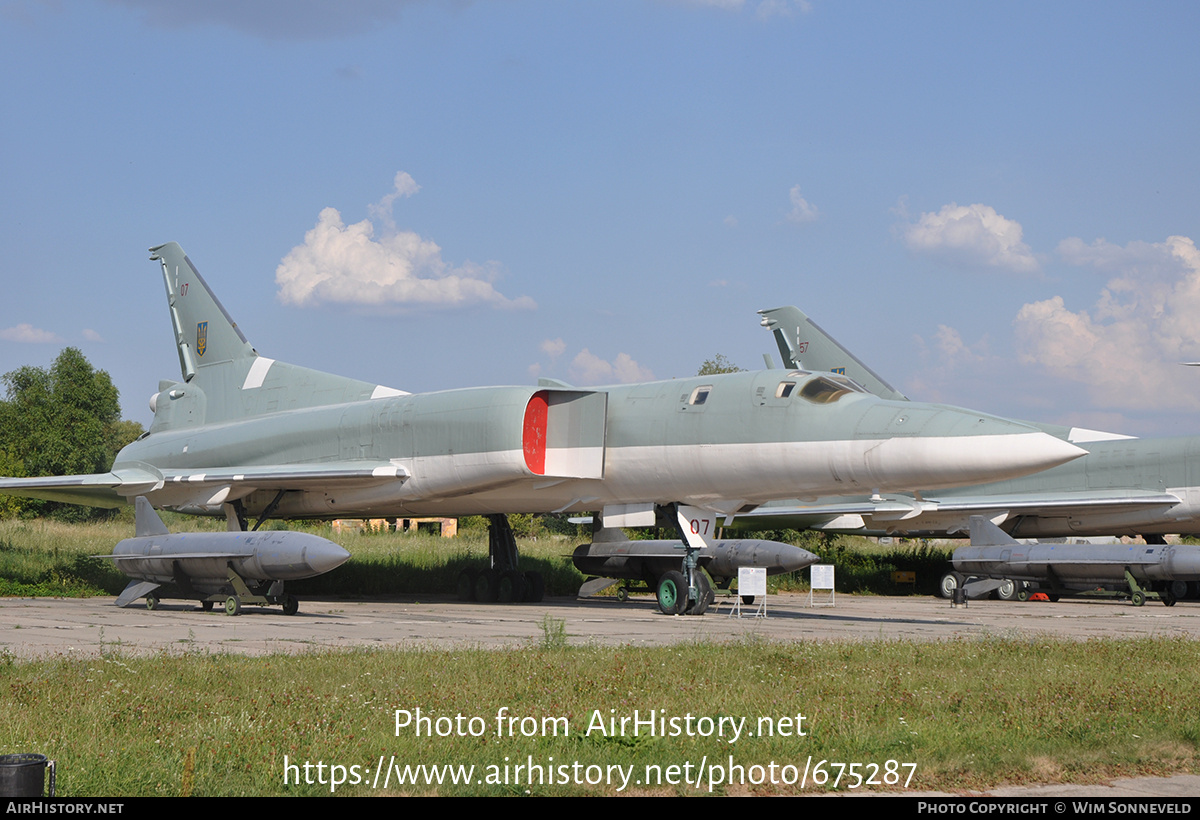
(201,487)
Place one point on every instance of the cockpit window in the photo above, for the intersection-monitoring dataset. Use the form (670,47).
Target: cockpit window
(784,389)
(700,394)
(825,389)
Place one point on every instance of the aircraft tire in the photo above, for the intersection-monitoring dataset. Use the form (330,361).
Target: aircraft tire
(535,587)
(748,600)
(487,586)
(1138,598)
(950,582)
(151,602)
(290,605)
(233,605)
(1178,588)
(704,595)
(622,594)
(1169,598)
(466,585)
(510,587)
(672,593)
(1008,590)
(206,605)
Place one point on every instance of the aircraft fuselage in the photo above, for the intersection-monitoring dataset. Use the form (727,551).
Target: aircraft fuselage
(715,439)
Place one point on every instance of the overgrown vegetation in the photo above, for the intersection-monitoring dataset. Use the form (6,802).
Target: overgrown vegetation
(969,713)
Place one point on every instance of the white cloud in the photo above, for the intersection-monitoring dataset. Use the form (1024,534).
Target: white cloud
(403,186)
(91,335)
(553,347)
(952,348)
(345,264)
(588,368)
(802,210)
(29,334)
(1126,349)
(973,235)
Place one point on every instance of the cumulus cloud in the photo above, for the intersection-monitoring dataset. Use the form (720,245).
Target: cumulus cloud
(346,264)
(29,334)
(588,368)
(92,335)
(1126,349)
(952,349)
(973,235)
(402,186)
(802,210)
(553,347)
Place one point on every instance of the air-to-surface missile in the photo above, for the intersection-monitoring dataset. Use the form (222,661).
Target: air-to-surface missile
(1140,570)
(650,561)
(232,568)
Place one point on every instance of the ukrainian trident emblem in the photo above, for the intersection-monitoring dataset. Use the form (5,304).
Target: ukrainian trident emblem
(201,337)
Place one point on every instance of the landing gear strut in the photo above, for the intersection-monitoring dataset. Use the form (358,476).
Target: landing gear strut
(687,591)
(502,581)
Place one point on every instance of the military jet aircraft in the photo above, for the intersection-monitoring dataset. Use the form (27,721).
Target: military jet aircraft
(1126,486)
(247,436)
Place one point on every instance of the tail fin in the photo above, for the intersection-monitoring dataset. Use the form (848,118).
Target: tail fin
(204,332)
(986,534)
(146,520)
(224,378)
(802,343)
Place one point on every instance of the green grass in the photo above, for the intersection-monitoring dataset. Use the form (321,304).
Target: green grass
(42,557)
(970,713)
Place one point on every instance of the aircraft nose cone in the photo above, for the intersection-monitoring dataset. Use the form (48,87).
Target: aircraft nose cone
(324,555)
(1004,451)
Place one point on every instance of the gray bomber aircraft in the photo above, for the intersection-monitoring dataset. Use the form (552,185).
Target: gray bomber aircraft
(1126,486)
(246,436)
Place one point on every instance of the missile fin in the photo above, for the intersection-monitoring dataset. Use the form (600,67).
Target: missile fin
(146,520)
(986,534)
(135,590)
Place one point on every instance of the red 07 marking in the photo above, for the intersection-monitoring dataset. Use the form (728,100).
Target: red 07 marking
(696,525)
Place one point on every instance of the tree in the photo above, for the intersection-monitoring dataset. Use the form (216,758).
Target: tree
(716,365)
(64,420)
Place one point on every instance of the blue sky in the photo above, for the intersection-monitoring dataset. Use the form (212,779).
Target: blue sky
(994,205)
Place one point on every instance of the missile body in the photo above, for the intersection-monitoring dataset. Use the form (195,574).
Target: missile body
(207,557)
(1137,568)
(649,560)
(234,567)
(1081,564)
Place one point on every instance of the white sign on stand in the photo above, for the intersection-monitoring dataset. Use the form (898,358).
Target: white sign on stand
(820,579)
(752,589)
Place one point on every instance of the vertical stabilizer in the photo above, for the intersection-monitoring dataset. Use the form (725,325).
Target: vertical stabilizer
(224,378)
(146,520)
(204,332)
(802,343)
